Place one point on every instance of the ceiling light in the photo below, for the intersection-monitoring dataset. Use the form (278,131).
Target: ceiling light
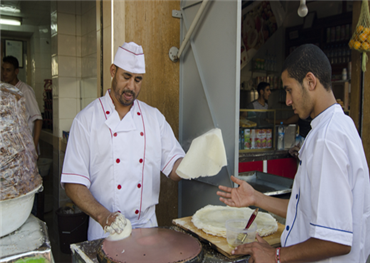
(302,9)
(10,20)
(8,8)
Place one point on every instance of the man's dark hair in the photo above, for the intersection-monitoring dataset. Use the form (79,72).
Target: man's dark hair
(308,58)
(11,60)
(262,86)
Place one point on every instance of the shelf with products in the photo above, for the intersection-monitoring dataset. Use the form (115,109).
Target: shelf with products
(256,130)
(331,34)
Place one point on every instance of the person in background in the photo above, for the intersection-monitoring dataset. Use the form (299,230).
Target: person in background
(328,213)
(9,74)
(264,91)
(117,148)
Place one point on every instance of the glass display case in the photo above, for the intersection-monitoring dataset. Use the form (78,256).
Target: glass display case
(256,130)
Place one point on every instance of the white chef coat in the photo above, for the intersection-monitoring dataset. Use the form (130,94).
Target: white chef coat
(330,198)
(32,107)
(31,104)
(120,161)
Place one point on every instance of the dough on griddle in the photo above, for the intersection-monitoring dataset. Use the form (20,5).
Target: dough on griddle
(212,219)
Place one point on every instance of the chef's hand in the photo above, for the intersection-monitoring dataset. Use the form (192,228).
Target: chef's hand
(294,151)
(239,197)
(260,251)
(115,223)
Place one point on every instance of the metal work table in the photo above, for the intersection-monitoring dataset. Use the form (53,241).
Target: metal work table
(29,242)
(263,155)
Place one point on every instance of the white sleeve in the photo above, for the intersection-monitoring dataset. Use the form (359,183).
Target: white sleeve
(31,104)
(331,197)
(171,148)
(77,158)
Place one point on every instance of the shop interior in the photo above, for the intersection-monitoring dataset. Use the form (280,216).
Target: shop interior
(264,47)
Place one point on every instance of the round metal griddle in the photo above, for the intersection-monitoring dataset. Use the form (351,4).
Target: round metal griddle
(151,245)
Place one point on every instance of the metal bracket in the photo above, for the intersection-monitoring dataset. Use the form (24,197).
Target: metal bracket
(173,54)
(176,14)
(175,57)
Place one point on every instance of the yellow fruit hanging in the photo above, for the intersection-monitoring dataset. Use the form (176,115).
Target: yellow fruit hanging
(363,37)
(359,29)
(356,45)
(365,46)
(368,38)
(366,30)
(351,42)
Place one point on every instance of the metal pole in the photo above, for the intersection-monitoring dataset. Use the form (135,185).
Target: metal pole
(191,28)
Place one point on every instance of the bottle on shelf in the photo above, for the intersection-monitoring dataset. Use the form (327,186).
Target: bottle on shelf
(280,141)
(241,139)
(344,74)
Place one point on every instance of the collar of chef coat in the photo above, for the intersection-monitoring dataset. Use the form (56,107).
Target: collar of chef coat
(327,112)
(319,119)
(113,120)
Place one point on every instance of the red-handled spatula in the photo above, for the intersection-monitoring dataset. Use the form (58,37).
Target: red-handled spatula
(242,237)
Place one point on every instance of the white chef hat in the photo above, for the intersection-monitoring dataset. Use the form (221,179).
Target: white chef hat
(130,57)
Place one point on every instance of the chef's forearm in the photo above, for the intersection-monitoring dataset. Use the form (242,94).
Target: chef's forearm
(173,175)
(83,198)
(312,250)
(274,205)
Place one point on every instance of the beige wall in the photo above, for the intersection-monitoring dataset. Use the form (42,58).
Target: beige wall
(150,24)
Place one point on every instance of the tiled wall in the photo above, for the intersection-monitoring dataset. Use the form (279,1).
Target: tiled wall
(41,61)
(88,53)
(73,70)
(73,57)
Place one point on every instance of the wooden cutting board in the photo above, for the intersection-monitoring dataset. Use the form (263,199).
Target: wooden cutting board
(220,243)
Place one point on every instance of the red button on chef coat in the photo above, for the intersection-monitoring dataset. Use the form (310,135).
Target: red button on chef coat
(141,160)
(119,187)
(107,112)
(118,160)
(115,134)
(138,185)
(141,133)
(139,113)
(137,211)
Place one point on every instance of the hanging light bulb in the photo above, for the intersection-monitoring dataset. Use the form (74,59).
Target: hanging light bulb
(302,9)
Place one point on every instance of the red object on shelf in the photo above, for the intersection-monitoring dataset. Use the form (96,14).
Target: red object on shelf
(286,167)
(251,166)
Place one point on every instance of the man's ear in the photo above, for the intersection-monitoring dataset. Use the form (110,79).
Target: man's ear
(311,81)
(112,70)
(16,71)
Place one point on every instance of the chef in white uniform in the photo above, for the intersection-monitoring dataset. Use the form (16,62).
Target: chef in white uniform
(116,150)
(328,214)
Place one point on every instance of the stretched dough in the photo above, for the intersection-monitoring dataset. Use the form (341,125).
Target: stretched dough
(212,219)
(124,234)
(205,157)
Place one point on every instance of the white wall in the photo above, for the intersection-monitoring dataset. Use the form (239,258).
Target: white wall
(41,62)
(73,59)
